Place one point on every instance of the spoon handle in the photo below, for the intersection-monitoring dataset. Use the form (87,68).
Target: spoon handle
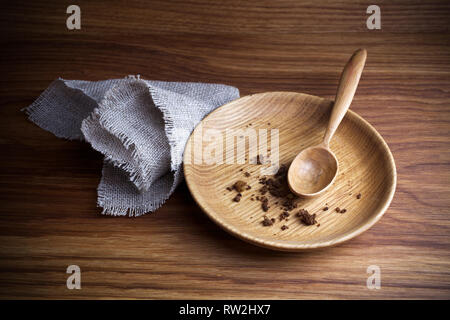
(346,90)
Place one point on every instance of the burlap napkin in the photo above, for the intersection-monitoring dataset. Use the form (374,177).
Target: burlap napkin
(140,126)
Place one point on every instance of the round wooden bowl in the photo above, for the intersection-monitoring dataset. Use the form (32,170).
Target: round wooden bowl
(366,167)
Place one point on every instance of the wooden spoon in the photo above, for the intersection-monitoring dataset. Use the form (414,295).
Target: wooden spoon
(315,168)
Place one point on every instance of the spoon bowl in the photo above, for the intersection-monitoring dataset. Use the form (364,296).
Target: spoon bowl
(313,171)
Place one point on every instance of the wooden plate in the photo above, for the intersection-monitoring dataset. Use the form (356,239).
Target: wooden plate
(366,167)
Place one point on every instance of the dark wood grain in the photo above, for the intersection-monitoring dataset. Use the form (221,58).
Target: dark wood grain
(48,216)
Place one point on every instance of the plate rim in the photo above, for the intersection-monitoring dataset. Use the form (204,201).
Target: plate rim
(274,245)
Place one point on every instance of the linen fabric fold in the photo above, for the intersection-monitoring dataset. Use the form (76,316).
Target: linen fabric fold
(140,126)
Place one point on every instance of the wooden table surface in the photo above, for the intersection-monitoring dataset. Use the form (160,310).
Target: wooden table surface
(48,213)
